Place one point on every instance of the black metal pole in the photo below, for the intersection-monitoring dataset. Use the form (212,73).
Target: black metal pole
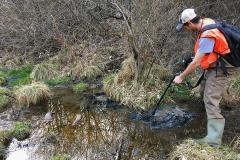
(161,98)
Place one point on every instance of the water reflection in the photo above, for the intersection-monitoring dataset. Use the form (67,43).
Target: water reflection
(101,135)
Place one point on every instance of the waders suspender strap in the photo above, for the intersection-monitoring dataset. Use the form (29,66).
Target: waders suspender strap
(222,65)
(198,82)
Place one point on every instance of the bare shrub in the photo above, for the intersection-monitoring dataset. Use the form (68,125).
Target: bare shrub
(152,28)
(41,28)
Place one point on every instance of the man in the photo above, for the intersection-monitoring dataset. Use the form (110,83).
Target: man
(207,45)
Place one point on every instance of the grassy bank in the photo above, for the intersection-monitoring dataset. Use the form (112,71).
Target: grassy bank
(123,88)
(189,150)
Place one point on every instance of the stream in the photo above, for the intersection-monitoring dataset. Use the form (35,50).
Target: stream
(105,130)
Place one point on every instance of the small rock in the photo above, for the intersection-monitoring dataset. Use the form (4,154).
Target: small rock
(101,98)
(48,117)
(77,120)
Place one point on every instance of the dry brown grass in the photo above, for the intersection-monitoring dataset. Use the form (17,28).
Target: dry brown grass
(231,96)
(91,72)
(236,143)
(235,88)
(77,70)
(123,88)
(32,94)
(190,151)
(44,71)
(127,71)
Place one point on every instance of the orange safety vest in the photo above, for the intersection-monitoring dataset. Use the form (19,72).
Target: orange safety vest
(220,47)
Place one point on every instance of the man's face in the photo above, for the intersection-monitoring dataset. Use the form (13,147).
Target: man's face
(189,26)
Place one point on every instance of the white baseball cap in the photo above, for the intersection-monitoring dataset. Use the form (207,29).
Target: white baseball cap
(186,16)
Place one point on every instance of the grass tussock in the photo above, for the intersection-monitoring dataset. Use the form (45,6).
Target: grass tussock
(189,150)
(81,71)
(32,94)
(44,72)
(123,88)
(91,73)
(77,70)
(127,71)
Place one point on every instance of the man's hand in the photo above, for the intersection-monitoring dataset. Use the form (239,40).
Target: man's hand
(191,68)
(178,79)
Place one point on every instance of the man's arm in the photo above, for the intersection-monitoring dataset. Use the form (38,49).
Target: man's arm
(206,45)
(191,68)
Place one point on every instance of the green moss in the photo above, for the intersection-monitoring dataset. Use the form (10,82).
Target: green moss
(61,157)
(57,81)
(20,76)
(80,87)
(21,130)
(108,79)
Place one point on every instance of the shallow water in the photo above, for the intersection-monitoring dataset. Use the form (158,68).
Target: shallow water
(102,133)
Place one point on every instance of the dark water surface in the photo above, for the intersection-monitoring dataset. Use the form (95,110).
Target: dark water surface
(104,132)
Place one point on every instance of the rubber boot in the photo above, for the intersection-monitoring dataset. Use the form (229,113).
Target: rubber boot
(215,128)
